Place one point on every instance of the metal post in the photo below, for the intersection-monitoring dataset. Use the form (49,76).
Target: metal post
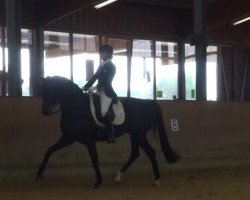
(37,66)
(71,53)
(4,80)
(224,76)
(181,71)
(154,70)
(244,78)
(200,48)
(13,22)
(129,55)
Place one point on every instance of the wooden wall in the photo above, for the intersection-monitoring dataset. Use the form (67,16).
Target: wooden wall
(229,34)
(2,12)
(233,73)
(29,10)
(206,129)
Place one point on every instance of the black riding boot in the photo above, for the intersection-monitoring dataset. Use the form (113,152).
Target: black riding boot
(109,130)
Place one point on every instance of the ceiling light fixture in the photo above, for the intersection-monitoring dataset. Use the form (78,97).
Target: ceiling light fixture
(241,21)
(104,3)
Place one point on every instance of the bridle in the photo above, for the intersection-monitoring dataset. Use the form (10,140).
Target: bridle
(53,107)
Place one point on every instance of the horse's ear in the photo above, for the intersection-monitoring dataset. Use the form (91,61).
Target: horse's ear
(40,79)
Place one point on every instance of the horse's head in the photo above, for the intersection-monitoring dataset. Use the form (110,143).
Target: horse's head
(50,90)
(61,91)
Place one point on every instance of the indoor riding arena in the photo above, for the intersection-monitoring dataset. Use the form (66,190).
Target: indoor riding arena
(187,59)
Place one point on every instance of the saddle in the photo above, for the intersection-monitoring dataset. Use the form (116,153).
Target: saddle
(116,111)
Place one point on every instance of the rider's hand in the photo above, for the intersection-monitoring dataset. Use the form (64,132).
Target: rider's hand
(84,88)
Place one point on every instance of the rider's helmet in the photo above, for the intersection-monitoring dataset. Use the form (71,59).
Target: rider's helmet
(106,48)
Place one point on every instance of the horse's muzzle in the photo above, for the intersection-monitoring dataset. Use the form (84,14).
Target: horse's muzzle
(54,109)
(46,112)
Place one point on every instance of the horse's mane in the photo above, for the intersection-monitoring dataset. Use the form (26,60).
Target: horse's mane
(60,81)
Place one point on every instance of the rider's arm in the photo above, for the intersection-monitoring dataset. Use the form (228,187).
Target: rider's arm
(91,81)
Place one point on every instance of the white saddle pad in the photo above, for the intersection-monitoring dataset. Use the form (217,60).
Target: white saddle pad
(117,108)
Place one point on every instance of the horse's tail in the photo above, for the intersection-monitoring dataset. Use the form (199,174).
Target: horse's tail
(167,150)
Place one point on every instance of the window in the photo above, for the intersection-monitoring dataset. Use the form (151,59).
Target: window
(166,70)
(85,57)
(1,58)
(1,61)
(3,42)
(80,59)
(4,71)
(56,54)
(26,42)
(26,37)
(211,72)
(142,69)
(190,72)
(25,71)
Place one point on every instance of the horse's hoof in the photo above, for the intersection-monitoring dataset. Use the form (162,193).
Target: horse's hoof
(157,182)
(178,157)
(39,177)
(95,186)
(118,176)
(174,158)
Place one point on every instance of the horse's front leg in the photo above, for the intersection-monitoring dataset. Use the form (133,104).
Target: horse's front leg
(94,158)
(62,142)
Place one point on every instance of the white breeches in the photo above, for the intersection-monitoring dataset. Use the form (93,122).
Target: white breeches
(105,102)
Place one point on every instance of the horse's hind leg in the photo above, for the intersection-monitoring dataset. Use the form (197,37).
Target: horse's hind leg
(151,155)
(61,143)
(134,154)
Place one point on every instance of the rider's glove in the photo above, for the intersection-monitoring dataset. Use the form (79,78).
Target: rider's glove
(84,88)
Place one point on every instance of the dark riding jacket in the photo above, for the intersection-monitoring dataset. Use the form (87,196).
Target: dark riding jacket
(105,74)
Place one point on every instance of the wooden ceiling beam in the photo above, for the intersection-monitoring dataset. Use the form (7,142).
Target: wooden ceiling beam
(56,9)
(224,11)
(165,3)
(219,12)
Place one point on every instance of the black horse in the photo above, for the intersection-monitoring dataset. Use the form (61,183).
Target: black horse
(78,125)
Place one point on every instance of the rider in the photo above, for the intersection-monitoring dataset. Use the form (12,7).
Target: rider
(105,74)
